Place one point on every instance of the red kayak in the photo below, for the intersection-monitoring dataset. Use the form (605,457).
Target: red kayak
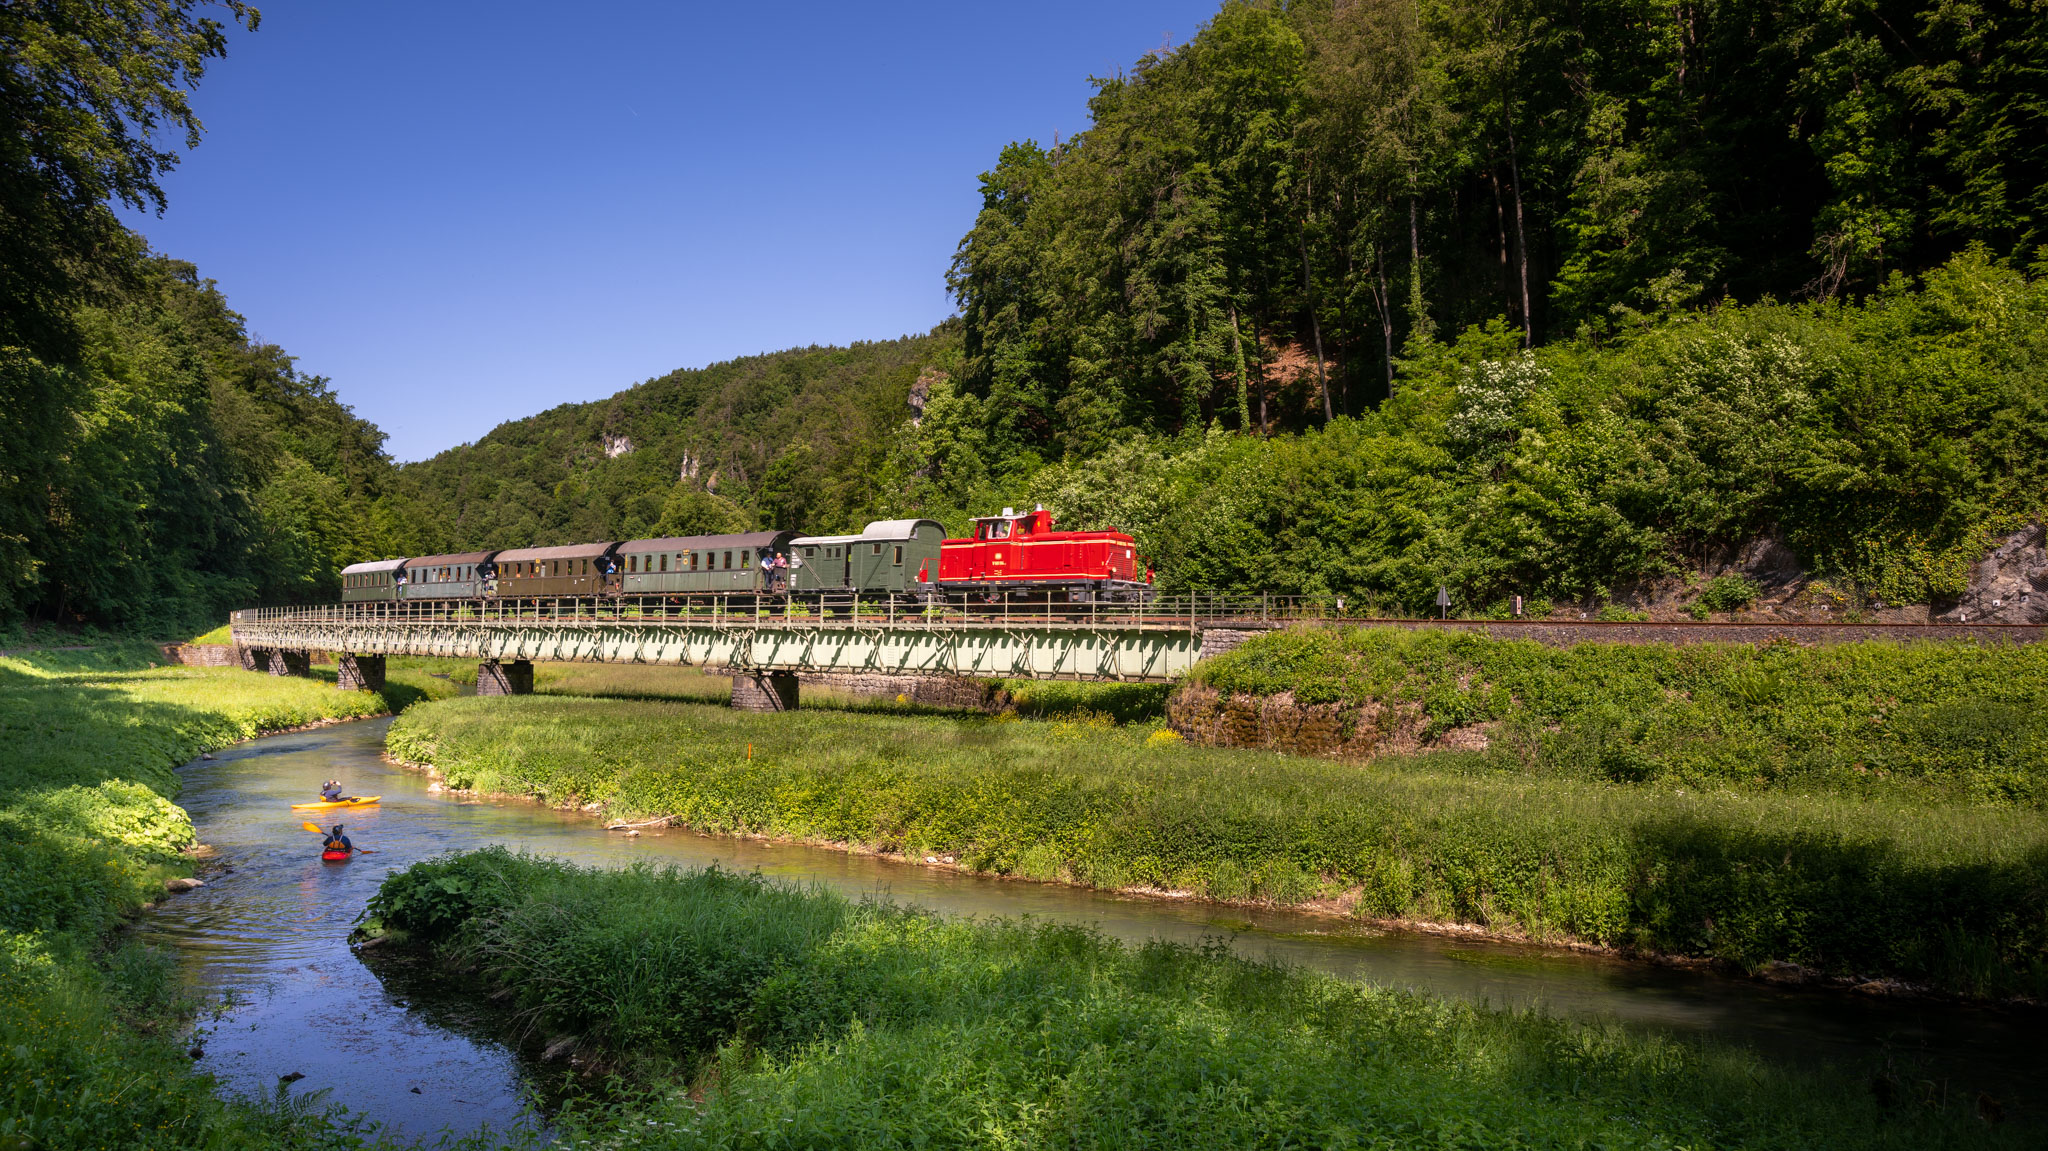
(335,856)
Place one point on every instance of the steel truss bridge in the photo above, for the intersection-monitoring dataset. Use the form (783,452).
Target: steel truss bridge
(1010,637)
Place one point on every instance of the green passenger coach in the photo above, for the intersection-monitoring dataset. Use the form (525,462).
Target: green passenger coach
(463,575)
(571,570)
(887,557)
(373,582)
(740,564)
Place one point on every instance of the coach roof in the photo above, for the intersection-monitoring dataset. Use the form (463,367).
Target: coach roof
(704,543)
(565,552)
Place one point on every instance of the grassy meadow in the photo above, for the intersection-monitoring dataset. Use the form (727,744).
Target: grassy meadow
(90,1025)
(1865,886)
(748,1013)
(1927,722)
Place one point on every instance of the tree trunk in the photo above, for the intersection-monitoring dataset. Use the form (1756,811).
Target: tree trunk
(1418,310)
(1308,299)
(1379,267)
(1244,408)
(1521,239)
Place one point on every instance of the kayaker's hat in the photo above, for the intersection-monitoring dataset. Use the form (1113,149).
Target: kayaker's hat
(337,829)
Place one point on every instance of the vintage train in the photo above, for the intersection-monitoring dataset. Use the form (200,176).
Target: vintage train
(1008,554)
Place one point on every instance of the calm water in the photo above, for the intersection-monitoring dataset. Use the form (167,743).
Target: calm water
(270,935)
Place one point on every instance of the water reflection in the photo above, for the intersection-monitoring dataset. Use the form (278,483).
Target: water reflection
(271,933)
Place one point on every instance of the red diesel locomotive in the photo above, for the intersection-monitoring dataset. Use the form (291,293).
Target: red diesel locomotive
(1022,553)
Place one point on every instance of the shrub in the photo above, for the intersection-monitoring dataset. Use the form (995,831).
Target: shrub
(1728,593)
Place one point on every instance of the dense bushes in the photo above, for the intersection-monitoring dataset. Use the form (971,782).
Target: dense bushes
(815,1023)
(1941,720)
(1887,443)
(1953,895)
(89,1051)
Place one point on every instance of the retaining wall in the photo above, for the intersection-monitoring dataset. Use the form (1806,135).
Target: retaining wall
(203,655)
(930,690)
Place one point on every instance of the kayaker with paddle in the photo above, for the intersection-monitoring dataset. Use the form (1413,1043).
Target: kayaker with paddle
(331,790)
(336,841)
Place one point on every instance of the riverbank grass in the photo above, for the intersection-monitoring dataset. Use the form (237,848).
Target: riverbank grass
(1931,722)
(749,1013)
(1956,896)
(89,1025)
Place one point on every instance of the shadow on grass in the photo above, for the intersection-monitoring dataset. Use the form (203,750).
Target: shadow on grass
(1843,905)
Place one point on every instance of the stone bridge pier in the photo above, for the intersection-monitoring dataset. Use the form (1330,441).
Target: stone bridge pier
(764,691)
(359,673)
(514,677)
(277,660)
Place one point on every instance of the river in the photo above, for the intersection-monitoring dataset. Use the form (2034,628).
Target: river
(268,936)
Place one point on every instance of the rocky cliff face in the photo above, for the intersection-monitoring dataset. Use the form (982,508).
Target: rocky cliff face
(1206,716)
(2009,586)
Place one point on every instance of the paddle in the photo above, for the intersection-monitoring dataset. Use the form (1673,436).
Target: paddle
(316,829)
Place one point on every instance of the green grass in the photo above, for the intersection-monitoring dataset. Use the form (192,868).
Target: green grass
(630,681)
(1066,699)
(1954,896)
(89,1027)
(755,1014)
(1922,722)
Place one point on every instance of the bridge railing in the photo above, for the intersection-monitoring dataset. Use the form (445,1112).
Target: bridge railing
(831,610)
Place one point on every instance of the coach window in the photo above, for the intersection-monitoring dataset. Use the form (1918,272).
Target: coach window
(664,561)
(878,549)
(899,555)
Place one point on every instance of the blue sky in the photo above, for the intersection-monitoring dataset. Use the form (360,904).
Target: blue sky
(467,213)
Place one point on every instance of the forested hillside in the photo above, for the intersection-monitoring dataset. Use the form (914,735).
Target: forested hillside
(1341,179)
(157,466)
(809,439)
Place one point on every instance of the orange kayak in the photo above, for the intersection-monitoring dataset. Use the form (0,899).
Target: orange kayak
(330,804)
(335,856)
